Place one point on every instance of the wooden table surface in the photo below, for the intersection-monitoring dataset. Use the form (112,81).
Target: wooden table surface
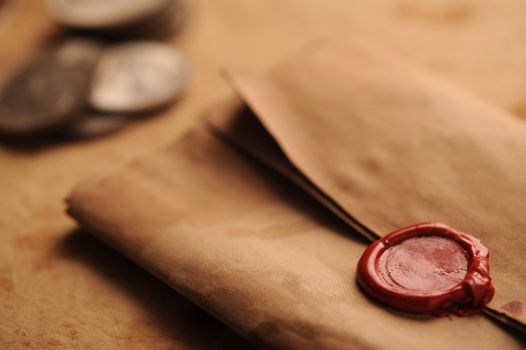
(60,288)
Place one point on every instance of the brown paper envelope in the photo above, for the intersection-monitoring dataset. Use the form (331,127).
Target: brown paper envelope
(392,146)
(256,252)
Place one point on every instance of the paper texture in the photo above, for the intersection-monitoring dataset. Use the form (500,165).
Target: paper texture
(255,251)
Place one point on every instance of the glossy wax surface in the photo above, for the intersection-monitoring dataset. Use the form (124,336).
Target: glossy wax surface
(426,264)
(427,268)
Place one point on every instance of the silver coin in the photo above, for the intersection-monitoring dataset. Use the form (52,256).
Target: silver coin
(137,77)
(99,14)
(50,90)
(92,125)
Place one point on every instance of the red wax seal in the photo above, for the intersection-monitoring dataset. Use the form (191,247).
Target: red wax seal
(427,268)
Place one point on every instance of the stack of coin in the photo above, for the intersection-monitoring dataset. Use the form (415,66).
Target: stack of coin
(82,88)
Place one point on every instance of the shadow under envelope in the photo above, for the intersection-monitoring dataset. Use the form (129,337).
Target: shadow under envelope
(184,322)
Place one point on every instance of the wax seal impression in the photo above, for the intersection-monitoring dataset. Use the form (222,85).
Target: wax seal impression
(427,268)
